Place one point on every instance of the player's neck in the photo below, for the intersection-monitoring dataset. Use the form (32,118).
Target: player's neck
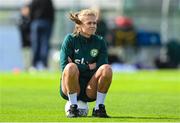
(85,35)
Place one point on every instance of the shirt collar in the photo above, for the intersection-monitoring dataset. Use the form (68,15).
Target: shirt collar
(85,39)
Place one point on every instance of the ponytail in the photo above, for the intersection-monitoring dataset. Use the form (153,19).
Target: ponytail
(75,19)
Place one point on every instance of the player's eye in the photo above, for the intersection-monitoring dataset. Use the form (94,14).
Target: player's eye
(93,23)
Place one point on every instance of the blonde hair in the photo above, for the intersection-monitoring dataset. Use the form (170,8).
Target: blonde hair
(78,16)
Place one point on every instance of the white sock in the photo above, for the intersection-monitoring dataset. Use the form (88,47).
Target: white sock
(72,98)
(100,99)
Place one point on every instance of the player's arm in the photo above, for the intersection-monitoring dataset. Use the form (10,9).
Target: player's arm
(103,55)
(66,51)
(92,66)
(81,67)
(66,55)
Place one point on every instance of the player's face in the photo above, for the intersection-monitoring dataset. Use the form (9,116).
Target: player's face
(89,25)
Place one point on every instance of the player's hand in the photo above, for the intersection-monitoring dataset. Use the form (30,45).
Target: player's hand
(69,60)
(92,66)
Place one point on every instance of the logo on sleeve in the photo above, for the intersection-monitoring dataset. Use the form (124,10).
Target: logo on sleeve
(94,52)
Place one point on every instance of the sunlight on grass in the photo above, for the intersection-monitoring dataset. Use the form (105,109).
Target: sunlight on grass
(140,96)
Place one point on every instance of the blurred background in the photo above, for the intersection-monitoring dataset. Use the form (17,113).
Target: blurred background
(141,34)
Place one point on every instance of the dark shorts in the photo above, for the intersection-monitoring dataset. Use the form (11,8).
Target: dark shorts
(83,81)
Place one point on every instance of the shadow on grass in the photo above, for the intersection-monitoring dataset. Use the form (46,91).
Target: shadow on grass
(131,117)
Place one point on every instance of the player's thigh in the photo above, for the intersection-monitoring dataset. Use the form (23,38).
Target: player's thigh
(63,85)
(71,68)
(91,89)
(63,88)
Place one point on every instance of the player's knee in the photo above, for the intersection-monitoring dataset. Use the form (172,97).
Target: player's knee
(107,70)
(71,68)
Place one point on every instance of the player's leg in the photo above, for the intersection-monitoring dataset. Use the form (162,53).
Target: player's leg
(35,43)
(98,87)
(70,87)
(45,36)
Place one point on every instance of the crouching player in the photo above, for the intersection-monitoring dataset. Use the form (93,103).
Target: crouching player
(86,74)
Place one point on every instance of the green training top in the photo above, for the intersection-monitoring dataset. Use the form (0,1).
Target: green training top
(82,51)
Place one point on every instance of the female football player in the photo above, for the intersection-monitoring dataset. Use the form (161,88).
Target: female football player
(86,74)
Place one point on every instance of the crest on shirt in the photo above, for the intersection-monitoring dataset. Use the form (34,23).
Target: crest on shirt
(94,52)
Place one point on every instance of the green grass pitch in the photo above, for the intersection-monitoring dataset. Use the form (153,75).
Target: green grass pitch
(141,96)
